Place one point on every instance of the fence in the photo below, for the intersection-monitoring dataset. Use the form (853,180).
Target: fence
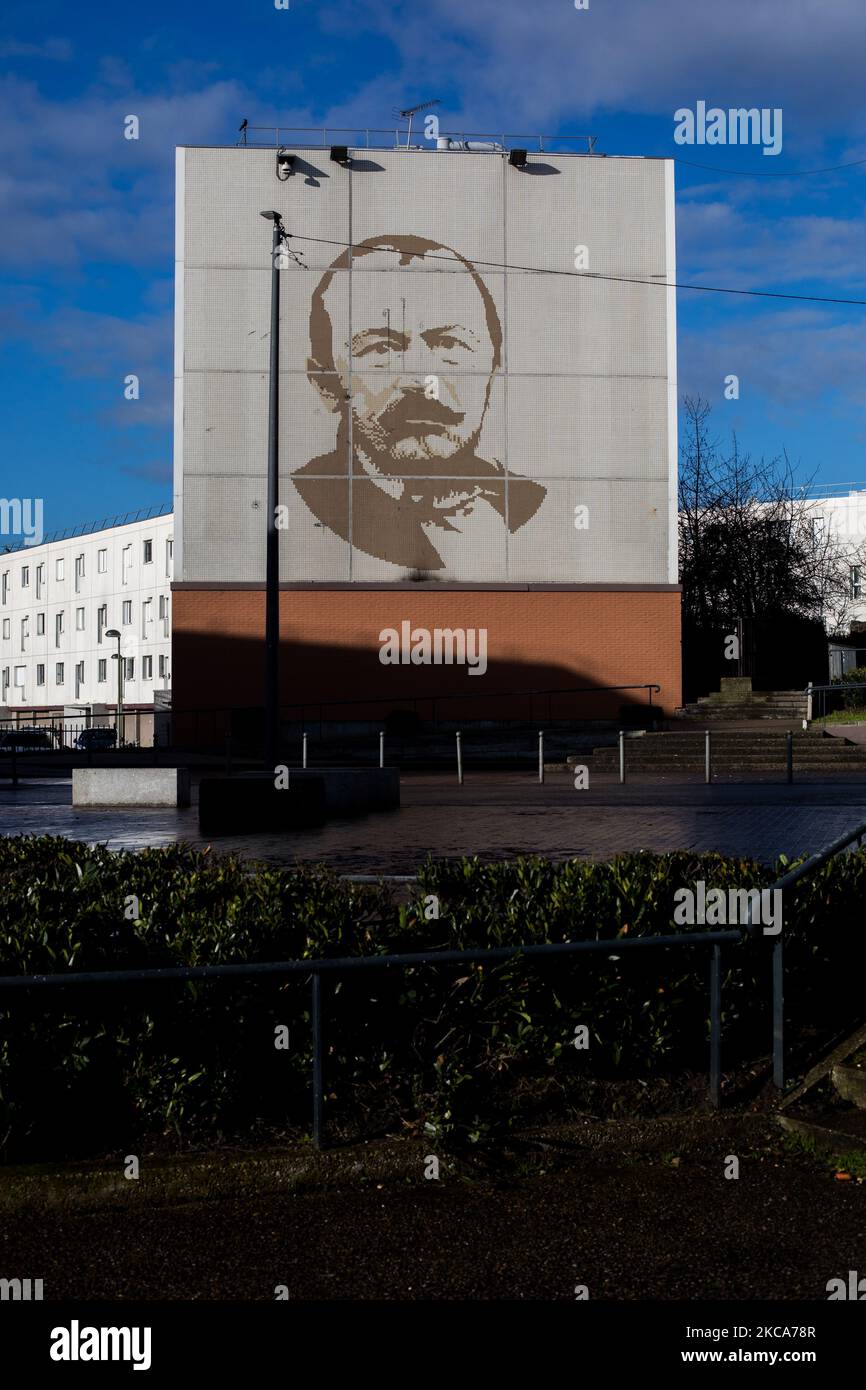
(210,726)
(819,694)
(318,968)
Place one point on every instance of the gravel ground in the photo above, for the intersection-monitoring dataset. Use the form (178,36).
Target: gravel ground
(654,1228)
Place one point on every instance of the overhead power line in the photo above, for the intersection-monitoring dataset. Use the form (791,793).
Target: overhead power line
(593,275)
(766,173)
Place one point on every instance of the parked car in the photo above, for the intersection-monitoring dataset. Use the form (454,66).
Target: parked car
(96,738)
(27,740)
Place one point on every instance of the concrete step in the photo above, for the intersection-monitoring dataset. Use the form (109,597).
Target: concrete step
(850,1084)
(730,713)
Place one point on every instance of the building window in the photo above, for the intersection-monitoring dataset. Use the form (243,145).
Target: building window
(40,579)
(25,632)
(125,562)
(25,576)
(4,586)
(40,674)
(127,612)
(58,673)
(147,668)
(164,613)
(163,666)
(58,568)
(5,679)
(40,624)
(79,571)
(856,581)
(7,629)
(101,621)
(58,628)
(79,677)
(79,620)
(147,553)
(102,561)
(20,675)
(146,617)
(102,670)
(129,668)
(169,556)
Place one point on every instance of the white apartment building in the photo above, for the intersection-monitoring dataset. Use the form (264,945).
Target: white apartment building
(57,601)
(843,513)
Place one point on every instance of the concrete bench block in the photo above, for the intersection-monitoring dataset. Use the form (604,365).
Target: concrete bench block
(251,802)
(130,786)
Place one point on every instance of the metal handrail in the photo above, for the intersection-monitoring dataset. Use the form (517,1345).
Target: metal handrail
(329,133)
(340,964)
(299,709)
(837,686)
(316,967)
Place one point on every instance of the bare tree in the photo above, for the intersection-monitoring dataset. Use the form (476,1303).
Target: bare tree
(752,544)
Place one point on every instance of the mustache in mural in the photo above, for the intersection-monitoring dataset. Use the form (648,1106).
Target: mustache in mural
(414,409)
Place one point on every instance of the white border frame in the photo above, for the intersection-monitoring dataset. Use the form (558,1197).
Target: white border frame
(179,273)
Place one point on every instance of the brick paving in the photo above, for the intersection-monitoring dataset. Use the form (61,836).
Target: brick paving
(493,815)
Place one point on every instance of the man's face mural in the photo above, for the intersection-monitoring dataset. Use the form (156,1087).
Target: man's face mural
(417,368)
(410,385)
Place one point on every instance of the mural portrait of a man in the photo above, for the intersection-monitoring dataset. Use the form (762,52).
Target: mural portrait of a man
(410,385)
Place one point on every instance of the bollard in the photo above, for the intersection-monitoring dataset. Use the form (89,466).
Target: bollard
(622,755)
(789,756)
(304,751)
(381,747)
(459,760)
(708,760)
(540,755)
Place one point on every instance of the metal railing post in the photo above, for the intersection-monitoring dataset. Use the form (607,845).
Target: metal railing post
(789,756)
(708,759)
(778,1016)
(716,1027)
(318,1061)
(381,747)
(540,755)
(459,760)
(304,751)
(621,756)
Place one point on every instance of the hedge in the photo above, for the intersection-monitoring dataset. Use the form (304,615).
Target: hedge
(458,1052)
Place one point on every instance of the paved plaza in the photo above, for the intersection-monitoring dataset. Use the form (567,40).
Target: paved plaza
(493,815)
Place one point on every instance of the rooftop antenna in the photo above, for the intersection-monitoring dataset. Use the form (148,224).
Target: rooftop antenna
(411,111)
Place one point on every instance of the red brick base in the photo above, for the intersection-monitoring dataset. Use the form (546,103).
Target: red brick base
(330,643)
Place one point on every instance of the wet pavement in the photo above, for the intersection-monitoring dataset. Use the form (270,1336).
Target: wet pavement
(493,815)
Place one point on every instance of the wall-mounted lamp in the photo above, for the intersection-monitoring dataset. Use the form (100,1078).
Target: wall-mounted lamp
(285,164)
(517,158)
(340,154)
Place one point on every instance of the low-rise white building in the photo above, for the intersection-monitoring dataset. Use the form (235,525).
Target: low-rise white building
(842,511)
(58,600)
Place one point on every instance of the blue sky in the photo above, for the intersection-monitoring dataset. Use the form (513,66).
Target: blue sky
(86,289)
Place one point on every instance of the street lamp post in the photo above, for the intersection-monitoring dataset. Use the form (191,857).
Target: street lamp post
(272,553)
(114,632)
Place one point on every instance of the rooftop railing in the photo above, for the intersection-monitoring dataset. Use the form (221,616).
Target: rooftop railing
(369,138)
(87,528)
